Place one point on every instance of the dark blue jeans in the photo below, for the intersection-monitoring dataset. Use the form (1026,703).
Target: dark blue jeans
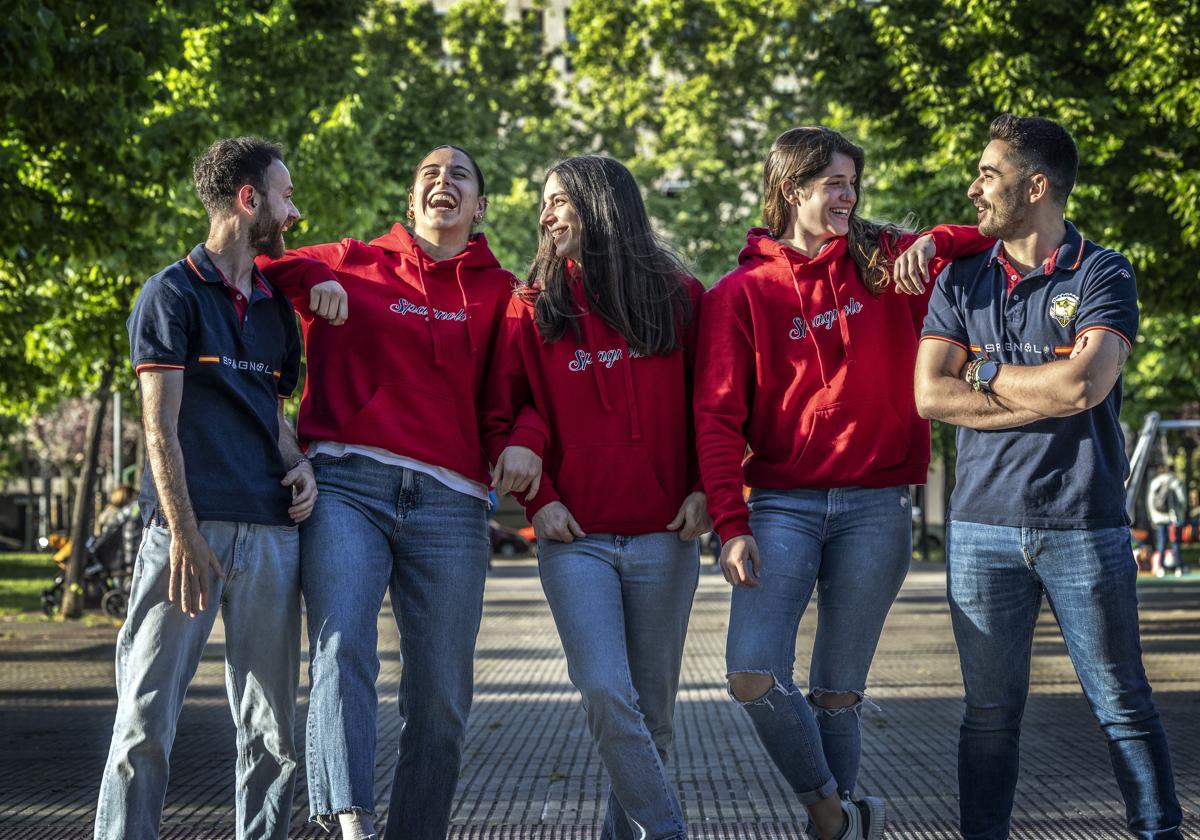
(378,528)
(997,576)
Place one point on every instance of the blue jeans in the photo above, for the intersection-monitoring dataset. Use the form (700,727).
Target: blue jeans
(997,575)
(377,528)
(854,546)
(621,605)
(158,650)
(1163,541)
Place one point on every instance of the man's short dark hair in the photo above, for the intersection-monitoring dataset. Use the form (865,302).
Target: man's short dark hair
(1040,145)
(229,164)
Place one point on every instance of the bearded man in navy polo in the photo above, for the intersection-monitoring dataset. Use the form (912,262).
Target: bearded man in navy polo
(1022,349)
(217,353)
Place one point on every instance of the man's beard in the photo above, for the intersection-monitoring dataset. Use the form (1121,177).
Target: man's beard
(1006,215)
(266,236)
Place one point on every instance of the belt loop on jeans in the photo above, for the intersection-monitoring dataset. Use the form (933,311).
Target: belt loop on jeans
(407,479)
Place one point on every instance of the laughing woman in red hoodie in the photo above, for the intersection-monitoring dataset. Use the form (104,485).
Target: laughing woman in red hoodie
(600,342)
(808,358)
(390,418)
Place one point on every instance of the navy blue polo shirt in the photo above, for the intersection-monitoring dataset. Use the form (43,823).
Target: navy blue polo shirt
(235,369)
(1060,472)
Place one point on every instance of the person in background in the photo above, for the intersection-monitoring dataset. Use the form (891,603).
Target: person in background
(1166,503)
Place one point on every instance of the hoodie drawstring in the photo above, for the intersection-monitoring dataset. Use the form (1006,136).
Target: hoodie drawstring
(591,348)
(842,319)
(429,316)
(808,328)
(462,293)
(635,423)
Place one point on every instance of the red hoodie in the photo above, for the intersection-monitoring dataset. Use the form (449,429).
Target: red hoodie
(406,370)
(620,454)
(803,364)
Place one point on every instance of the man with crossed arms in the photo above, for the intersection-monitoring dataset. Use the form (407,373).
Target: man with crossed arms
(1023,348)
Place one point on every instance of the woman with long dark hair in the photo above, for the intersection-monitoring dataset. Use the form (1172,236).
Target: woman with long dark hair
(390,419)
(808,359)
(599,341)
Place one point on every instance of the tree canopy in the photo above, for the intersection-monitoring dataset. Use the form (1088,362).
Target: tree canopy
(105,107)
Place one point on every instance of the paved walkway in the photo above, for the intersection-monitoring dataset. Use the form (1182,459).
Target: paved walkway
(530,768)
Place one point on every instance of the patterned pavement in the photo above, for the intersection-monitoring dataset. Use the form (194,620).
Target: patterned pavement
(530,770)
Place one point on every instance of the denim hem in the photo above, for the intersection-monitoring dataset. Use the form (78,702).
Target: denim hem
(812,797)
(328,821)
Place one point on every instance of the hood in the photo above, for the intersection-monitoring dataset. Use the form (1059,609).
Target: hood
(477,255)
(761,246)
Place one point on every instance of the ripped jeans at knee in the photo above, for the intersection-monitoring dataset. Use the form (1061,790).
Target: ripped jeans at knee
(788,729)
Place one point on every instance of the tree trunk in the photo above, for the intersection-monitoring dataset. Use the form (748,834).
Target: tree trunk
(81,526)
(31,498)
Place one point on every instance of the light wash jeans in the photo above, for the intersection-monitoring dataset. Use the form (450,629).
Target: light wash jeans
(854,545)
(377,528)
(997,576)
(621,605)
(158,651)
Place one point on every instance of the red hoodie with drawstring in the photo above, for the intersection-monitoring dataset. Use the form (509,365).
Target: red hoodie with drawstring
(619,453)
(804,365)
(406,370)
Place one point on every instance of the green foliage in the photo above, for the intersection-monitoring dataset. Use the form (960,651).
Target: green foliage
(105,107)
(690,93)
(1122,76)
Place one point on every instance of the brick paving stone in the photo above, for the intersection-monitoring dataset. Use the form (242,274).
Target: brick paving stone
(531,772)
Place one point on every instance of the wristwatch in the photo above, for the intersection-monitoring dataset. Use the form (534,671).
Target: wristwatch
(983,375)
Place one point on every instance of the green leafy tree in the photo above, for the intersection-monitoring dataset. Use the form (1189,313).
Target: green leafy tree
(106,106)
(1122,75)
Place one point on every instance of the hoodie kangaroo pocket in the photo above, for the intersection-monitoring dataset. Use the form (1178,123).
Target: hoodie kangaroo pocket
(610,482)
(404,412)
(849,441)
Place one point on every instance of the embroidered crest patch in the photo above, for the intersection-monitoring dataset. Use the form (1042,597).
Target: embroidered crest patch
(1063,308)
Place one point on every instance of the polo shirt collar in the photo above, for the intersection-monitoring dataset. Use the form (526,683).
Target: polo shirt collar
(203,268)
(1067,257)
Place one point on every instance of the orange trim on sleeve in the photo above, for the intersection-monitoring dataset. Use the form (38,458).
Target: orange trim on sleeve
(947,340)
(156,366)
(1117,333)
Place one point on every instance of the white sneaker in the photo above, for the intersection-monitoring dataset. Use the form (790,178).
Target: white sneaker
(864,819)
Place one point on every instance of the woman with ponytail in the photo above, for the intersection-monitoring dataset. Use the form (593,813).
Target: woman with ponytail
(390,419)
(807,360)
(599,342)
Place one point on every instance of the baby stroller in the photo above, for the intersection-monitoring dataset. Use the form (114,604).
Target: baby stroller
(108,569)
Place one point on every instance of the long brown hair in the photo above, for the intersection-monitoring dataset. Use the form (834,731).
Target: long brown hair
(799,155)
(630,278)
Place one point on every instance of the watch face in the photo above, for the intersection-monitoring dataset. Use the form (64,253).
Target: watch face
(987,371)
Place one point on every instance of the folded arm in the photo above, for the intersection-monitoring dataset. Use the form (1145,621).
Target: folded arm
(942,393)
(1070,386)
